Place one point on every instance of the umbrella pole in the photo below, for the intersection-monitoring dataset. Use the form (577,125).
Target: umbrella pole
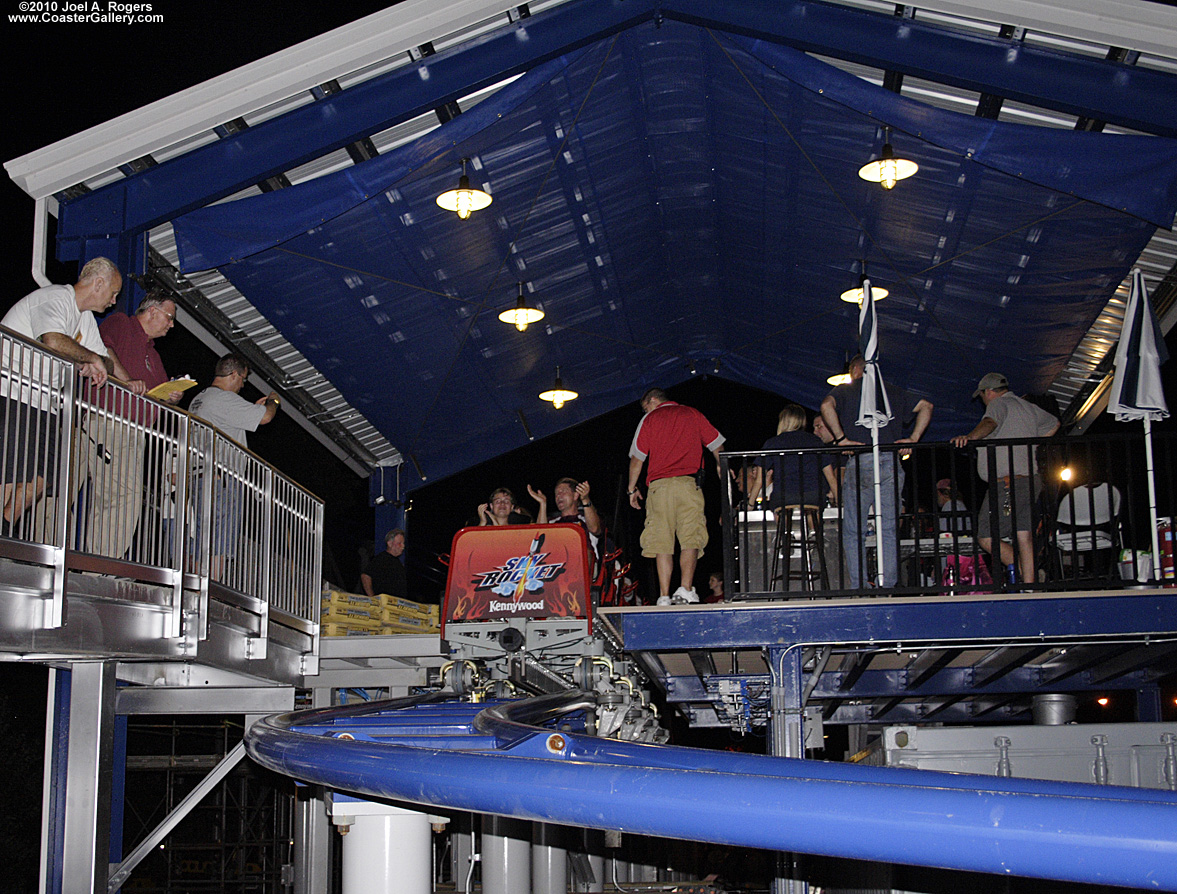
(1152,499)
(879,510)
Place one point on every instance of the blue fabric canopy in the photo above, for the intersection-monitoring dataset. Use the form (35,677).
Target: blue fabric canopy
(677,198)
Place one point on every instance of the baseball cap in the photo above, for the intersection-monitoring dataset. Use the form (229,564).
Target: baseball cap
(944,484)
(991,380)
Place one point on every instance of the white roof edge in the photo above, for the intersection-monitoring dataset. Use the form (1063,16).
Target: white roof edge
(1131,24)
(241,91)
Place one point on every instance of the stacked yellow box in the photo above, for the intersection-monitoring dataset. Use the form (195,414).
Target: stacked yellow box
(406,616)
(357,614)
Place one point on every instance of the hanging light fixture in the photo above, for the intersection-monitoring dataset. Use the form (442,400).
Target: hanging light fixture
(842,378)
(465,199)
(887,170)
(521,316)
(559,395)
(855,296)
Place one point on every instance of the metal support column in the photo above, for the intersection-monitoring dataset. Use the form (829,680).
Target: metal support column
(549,859)
(387,849)
(506,855)
(787,739)
(80,801)
(463,852)
(312,829)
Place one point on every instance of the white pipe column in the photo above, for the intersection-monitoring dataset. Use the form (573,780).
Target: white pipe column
(40,240)
(549,859)
(506,855)
(386,849)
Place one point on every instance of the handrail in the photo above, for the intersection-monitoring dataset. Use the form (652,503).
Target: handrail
(926,545)
(102,450)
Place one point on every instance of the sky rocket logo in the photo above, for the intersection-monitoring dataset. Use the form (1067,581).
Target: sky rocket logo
(520,574)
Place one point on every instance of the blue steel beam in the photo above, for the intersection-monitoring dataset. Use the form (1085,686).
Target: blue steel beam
(1094,88)
(1065,831)
(1083,86)
(887,683)
(212,172)
(1073,617)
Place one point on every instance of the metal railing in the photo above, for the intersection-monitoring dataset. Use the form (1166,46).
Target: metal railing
(1082,502)
(101,480)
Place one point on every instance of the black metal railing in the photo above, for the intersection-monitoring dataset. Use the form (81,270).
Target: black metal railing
(997,516)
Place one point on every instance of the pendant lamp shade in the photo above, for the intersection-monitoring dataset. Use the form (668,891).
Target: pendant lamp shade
(464,200)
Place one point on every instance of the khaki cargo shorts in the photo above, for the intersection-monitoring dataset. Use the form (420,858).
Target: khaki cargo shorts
(674,507)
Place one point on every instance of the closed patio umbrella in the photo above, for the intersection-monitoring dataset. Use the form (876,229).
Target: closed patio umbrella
(874,409)
(1136,387)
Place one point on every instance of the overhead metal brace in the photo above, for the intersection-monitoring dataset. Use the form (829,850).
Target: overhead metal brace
(206,785)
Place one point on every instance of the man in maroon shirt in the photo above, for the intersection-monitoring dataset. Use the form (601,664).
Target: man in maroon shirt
(118,442)
(672,438)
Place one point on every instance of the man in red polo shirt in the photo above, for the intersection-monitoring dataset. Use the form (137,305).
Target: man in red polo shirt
(115,454)
(672,438)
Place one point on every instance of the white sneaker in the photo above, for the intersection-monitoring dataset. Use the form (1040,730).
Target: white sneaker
(663,600)
(683,596)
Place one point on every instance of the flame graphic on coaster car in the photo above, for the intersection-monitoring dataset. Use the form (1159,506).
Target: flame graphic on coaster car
(567,603)
(500,567)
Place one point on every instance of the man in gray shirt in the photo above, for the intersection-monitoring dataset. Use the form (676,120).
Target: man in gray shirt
(224,407)
(1008,416)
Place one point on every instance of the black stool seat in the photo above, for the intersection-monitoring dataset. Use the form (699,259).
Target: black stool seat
(809,539)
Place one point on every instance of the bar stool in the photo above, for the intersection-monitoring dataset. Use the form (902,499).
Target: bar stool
(810,540)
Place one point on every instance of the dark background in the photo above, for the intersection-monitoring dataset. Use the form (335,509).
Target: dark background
(62,79)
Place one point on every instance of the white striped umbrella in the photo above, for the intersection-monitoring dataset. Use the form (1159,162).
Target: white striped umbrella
(874,409)
(1136,387)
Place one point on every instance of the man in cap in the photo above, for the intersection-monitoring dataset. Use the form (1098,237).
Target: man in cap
(1013,485)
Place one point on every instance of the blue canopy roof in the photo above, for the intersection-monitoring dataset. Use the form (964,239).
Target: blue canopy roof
(680,199)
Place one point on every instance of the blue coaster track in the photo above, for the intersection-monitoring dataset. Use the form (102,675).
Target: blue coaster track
(527,759)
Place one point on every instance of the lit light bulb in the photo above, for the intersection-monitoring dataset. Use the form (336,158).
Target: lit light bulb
(889,173)
(466,203)
(521,316)
(465,199)
(557,401)
(1065,474)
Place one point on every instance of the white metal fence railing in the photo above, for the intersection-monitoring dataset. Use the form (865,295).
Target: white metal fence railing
(103,480)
